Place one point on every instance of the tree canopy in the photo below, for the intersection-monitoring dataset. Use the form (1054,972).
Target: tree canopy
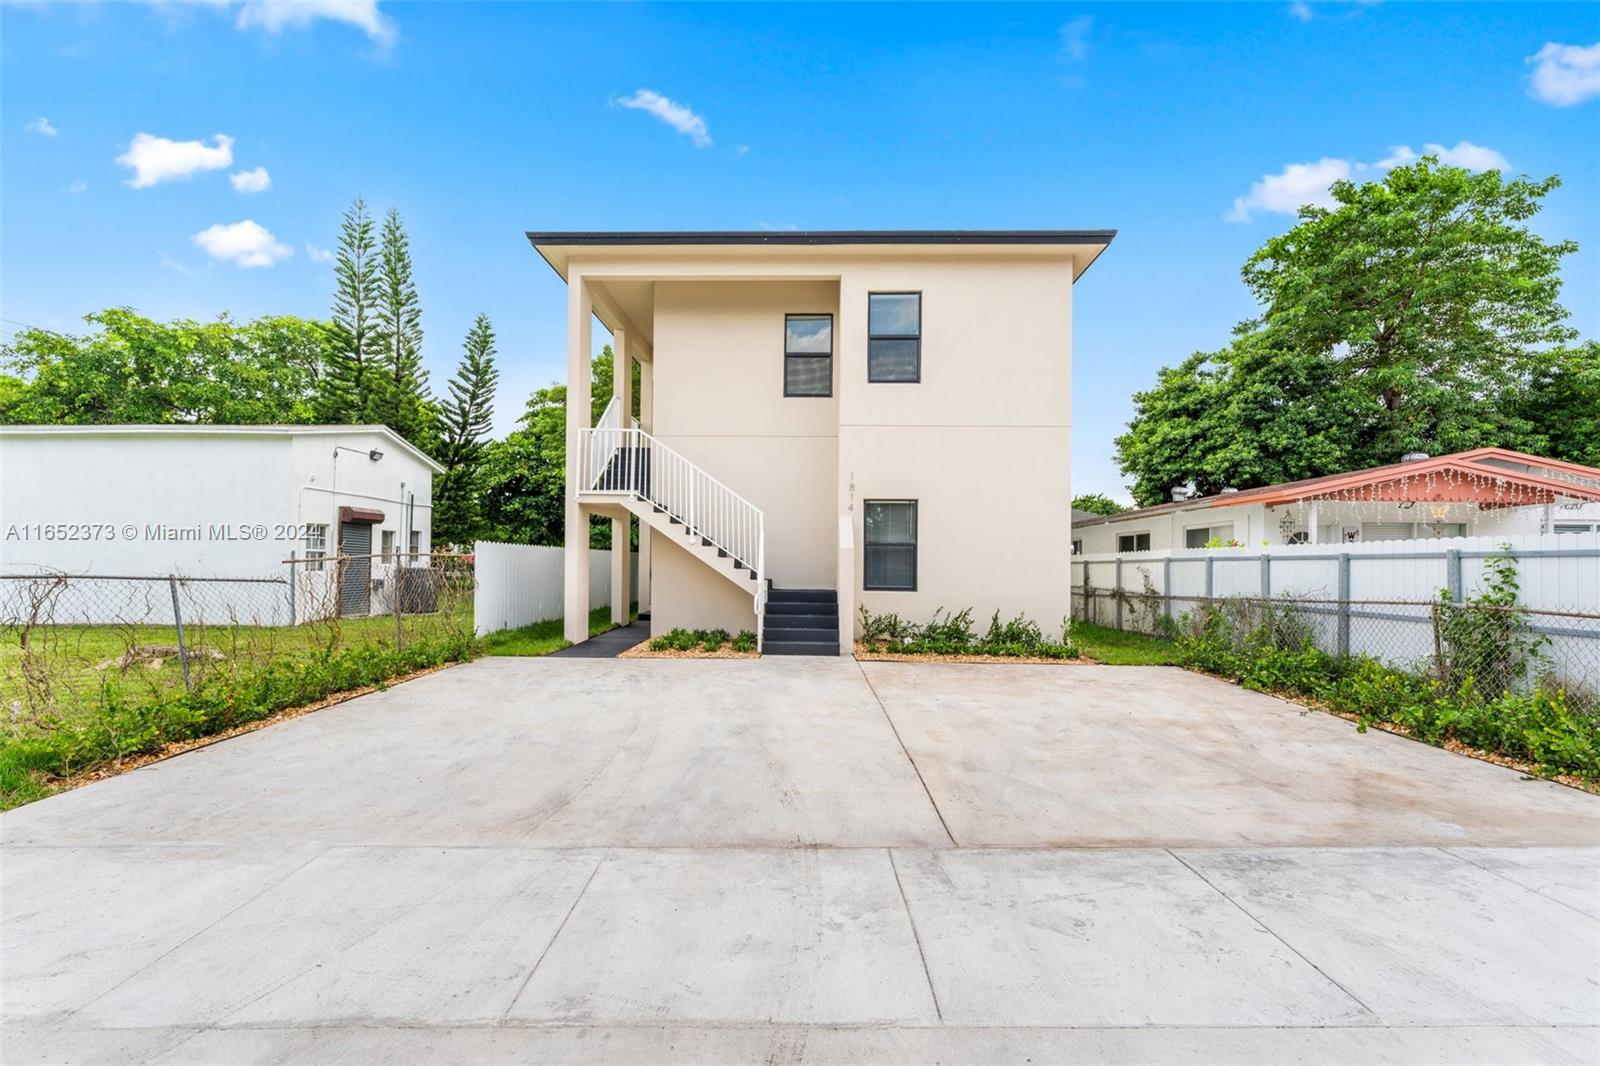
(133,369)
(1420,313)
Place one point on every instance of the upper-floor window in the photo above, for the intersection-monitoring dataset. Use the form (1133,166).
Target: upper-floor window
(808,355)
(894,336)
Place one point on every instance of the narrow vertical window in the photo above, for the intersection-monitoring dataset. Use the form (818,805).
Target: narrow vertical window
(808,355)
(891,545)
(894,336)
(316,544)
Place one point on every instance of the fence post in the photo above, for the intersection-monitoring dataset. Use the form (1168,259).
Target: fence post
(1166,586)
(177,620)
(1452,570)
(1211,564)
(1342,637)
(1116,589)
(293,619)
(1266,576)
(398,595)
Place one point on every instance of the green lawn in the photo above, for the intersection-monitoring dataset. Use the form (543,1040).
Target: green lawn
(542,638)
(1122,648)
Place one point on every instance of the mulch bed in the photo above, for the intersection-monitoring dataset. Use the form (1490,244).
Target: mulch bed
(868,654)
(642,650)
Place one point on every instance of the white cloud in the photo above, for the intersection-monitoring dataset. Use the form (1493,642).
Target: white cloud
(276,15)
(1075,38)
(1566,74)
(247,244)
(674,114)
(1302,11)
(156,159)
(257,180)
(318,255)
(78,186)
(1298,184)
(41,126)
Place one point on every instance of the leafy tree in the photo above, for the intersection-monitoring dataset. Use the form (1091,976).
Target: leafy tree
(1427,289)
(401,402)
(1405,318)
(463,423)
(1561,404)
(1096,503)
(132,369)
(524,477)
(347,391)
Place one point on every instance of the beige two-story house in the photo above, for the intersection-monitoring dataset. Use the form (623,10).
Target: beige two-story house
(826,420)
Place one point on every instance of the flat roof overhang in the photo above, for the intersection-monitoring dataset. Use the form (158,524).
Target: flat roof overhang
(1083,245)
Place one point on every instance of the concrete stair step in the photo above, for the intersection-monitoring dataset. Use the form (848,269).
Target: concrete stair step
(799,647)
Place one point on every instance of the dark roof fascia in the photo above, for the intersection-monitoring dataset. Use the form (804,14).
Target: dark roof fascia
(802,237)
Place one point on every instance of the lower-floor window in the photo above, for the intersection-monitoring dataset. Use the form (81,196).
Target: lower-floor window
(316,544)
(416,544)
(891,545)
(1133,542)
(1200,536)
(388,545)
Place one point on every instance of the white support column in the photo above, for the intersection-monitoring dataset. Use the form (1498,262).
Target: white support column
(646,421)
(849,339)
(1312,523)
(621,549)
(575,574)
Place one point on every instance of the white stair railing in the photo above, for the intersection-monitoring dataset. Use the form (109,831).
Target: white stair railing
(618,459)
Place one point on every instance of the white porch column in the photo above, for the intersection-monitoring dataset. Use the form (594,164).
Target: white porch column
(1313,520)
(646,421)
(575,574)
(622,388)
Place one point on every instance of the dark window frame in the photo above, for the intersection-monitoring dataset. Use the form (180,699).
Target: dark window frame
(916,547)
(871,336)
(788,355)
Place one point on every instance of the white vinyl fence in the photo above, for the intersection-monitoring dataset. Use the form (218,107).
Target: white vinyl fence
(1374,598)
(519,584)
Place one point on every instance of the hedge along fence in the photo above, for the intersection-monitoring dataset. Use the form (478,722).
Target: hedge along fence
(91,672)
(1489,684)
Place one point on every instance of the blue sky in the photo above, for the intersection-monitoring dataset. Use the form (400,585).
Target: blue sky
(1190,129)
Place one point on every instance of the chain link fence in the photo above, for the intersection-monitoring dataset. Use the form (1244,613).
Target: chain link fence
(77,642)
(1500,646)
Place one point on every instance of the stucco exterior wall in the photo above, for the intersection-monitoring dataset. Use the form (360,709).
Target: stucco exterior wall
(718,398)
(207,488)
(686,594)
(982,441)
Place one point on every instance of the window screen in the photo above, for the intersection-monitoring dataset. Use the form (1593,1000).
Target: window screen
(808,355)
(891,545)
(894,336)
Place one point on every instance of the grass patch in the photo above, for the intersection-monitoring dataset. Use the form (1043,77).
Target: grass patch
(542,638)
(1119,647)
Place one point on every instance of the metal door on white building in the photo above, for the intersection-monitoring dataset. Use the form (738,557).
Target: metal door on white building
(355,578)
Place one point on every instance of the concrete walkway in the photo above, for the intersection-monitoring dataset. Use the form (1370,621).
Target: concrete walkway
(610,644)
(789,860)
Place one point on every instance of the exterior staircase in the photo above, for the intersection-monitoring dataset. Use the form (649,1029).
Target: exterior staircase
(622,465)
(801,622)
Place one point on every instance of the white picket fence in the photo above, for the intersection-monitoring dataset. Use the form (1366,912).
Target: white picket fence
(1372,598)
(519,584)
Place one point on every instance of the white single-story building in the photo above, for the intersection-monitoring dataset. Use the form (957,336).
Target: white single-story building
(1479,493)
(207,502)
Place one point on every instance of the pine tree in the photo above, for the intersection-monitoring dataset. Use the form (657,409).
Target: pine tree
(344,393)
(401,402)
(463,422)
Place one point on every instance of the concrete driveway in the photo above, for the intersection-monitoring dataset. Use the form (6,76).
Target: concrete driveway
(792,860)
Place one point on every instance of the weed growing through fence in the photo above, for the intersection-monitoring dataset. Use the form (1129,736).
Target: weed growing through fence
(1487,640)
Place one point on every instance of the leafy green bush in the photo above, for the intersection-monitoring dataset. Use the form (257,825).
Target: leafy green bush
(708,640)
(745,642)
(123,726)
(675,640)
(953,634)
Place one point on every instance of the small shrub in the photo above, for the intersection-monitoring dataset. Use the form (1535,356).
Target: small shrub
(679,639)
(711,639)
(745,642)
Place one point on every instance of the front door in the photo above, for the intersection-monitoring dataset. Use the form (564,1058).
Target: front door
(355,575)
